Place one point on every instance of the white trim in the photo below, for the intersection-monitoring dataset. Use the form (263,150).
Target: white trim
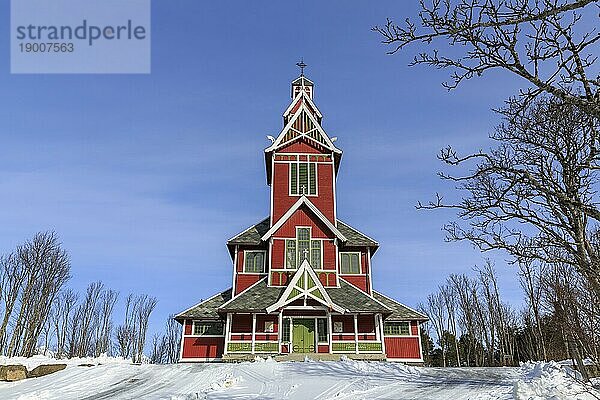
(294,101)
(356,333)
(381,333)
(283,299)
(227,332)
(235,271)
(330,332)
(278,143)
(370,271)
(419,339)
(181,341)
(405,359)
(280,330)
(403,305)
(254,332)
(303,200)
(333,183)
(264,262)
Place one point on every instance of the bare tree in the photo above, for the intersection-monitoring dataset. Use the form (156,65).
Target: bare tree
(144,305)
(61,316)
(551,44)
(46,268)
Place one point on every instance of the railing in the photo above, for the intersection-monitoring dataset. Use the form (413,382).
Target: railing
(259,347)
(350,347)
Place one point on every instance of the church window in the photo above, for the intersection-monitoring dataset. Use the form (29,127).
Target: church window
(315,254)
(350,263)
(254,262)
(303,247)
(290,254)
(303,178)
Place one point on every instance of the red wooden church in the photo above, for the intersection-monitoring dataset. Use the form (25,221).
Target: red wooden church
(302,279)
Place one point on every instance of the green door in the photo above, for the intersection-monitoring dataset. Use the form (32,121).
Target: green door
(304,336)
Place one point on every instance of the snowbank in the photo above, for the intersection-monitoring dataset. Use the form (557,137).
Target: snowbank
(32,362)
(551,381)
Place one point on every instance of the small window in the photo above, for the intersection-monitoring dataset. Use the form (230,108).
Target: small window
(350,263)
(269,326)
(203,328)
(255,262)
(396,329)
(290,254)
(315,254)
(285,332)
(338,327)
(322,329)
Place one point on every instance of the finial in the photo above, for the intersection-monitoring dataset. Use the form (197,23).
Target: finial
(301,65)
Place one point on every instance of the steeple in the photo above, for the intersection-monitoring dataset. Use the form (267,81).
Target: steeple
(302,82)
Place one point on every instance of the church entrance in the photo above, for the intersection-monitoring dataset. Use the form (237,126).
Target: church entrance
(303,335)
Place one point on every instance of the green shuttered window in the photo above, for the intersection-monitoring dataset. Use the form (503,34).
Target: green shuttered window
(303,178)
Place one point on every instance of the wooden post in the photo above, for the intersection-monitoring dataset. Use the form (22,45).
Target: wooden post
(253,331)
(227,332)
(330,332)
(356,333)
(382,333)
(280,329)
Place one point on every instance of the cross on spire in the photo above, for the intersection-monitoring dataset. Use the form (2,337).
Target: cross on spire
(301,65)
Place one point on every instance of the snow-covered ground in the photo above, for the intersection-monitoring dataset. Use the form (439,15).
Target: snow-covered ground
(118,379)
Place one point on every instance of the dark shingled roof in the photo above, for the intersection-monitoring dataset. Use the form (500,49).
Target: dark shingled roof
(355,300)
(261,296)
(207,308)
(253,235)
(355,238)
(255,298)
(401,312)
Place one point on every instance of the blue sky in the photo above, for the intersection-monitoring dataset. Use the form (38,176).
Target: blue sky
(145,177)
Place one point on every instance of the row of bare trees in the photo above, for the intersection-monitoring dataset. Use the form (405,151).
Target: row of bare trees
(38,313)
(470,310)
(534,194)
(472,326)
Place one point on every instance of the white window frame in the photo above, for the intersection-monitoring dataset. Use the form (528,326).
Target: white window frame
(297,162)
(269,326)
(337,324)
(359,263)
(264,262)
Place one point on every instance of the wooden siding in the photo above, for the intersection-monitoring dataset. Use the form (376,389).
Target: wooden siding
(366,324)
(407,347)
(282,201)
(323,348)
(244,281)
(187,327)
(241,323)
(203,347)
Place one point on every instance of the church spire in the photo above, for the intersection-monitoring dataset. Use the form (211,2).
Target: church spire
(302,83)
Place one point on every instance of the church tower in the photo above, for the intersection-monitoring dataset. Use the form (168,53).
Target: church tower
(302,278)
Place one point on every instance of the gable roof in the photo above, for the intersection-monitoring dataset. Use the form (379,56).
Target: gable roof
(354,236)
(252,235)
(304,284)
(400,311)
(303,200)
(255,298)
(206,309)
(303,110)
